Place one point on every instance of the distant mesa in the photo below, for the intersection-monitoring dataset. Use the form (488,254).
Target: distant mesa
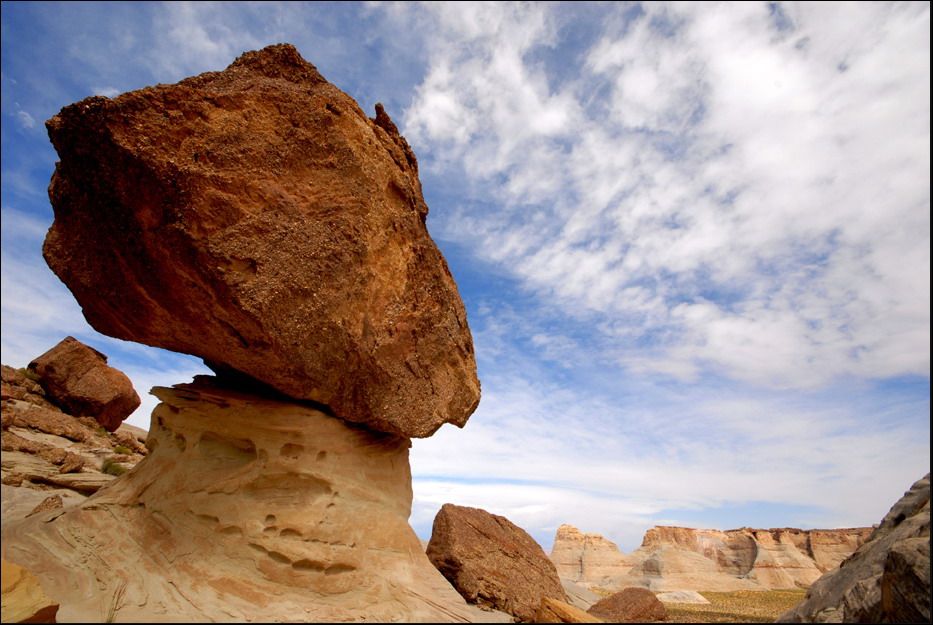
(678,559)
(258,219)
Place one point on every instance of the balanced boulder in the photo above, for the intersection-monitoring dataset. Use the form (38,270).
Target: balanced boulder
(258,219)
(78,379)
(492,562)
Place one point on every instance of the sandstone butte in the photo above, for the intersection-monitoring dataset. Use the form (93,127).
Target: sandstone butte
(257,218)
(687,559)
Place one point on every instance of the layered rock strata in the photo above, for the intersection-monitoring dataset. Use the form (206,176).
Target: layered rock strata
(681,558)
(492,562)
(257,218)
(77,378)
(588,558)
(887,580)
(247,508)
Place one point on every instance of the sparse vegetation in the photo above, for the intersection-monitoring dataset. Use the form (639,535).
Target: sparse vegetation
(743,606)
(29,373)
(112,467)
(122,449)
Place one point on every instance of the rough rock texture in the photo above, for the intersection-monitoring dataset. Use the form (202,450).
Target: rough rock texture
(631,605)
(49,453)
(77,378)
(247,508)
(491,561)
(554,611)
(887,580)
(257,218)
(23,600)
(588,558)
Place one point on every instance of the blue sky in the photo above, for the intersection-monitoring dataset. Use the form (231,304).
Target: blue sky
(693,240)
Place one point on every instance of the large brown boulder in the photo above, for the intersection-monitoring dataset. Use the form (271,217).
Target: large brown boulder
(78,379)
(492,562)
(887,580)
(257,218)
(631,605)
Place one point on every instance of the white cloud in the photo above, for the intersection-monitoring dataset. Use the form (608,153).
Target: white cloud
(756,195)
(25,119)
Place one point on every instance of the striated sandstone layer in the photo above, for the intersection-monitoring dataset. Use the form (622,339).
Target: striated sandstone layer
(587,558)
(682,558)
(492,562)
(247,508)
(887,580)
(77,379)
(258,219)
(555,611)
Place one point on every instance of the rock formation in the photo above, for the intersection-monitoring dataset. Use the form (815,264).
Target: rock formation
(294,515)
(24,601)
(255,217)
(492,562)
(887,580)
(682,558)
(78,379)
(588,558)
(554,611)
(630,605)
(48,453)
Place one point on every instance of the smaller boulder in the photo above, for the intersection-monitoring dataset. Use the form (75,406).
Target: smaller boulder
(78,379)
(492,562)
(632,605)
(554,611)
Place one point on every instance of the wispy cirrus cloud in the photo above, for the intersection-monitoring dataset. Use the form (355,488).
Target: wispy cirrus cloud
(740,190)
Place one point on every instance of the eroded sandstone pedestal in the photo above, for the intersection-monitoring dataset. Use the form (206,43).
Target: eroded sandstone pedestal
(247,508)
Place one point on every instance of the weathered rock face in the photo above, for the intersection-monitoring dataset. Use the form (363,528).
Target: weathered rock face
(23,598)
(247,508)
(587,558)
(48,453)
(887,580)
(631,605)
(491,561)
(255,217)
(78,379)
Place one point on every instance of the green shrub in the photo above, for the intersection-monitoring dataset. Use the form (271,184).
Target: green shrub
(122,449)
(112,467)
